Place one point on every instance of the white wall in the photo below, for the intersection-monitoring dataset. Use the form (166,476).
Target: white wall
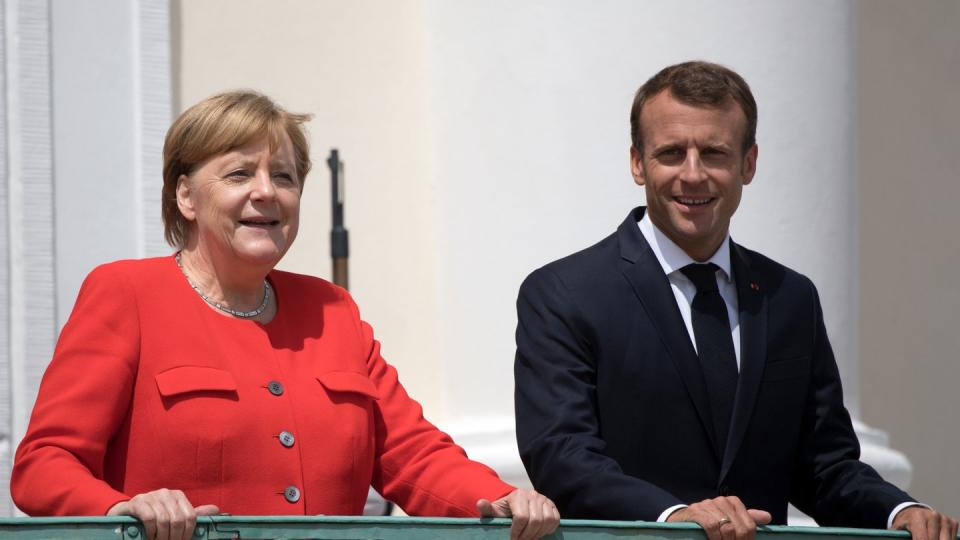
(110,79)
(359,68)
(908,75)
(92,106)
(484,139)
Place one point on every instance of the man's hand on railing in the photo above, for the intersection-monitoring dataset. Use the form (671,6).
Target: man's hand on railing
(925,523)
(166,513)
(534,515)
(723,518)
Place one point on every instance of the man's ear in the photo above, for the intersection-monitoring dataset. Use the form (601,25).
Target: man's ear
(750,164)
(185,198)
(636,166)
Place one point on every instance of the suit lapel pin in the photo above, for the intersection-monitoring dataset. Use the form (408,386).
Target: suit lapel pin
(754,286)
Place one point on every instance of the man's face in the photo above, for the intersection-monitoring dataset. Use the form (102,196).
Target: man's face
(693,169)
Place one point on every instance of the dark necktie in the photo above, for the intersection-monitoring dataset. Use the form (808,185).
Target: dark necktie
(711,327)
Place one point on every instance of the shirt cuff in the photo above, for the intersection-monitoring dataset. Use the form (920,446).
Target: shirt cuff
(899,507)
(666,513)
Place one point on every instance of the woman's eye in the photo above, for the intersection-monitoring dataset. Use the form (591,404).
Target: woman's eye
(284,177)
(238,174)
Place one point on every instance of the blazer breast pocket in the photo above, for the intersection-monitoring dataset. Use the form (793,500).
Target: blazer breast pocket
(348,386)
(781,369)
(201,408)
(186,382)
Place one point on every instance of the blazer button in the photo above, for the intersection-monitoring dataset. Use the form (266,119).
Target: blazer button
(287,439)
(275,388)
(291,494)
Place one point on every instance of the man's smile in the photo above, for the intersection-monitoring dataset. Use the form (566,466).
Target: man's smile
(694,201)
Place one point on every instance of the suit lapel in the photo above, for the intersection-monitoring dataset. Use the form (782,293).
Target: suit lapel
(642,270)
(752,300)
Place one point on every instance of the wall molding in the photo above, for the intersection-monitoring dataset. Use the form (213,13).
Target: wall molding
(152,101)
(29,264)
(30,316)
(6,401)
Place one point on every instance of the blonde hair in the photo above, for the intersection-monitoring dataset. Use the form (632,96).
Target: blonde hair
(217,125)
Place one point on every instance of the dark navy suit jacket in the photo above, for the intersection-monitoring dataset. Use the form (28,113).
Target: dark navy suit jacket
(613,418)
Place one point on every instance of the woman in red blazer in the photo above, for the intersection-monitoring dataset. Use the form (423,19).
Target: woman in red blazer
(207,381)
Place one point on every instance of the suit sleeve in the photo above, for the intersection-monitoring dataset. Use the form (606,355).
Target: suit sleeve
(416,465)
(830,482)
(558,430)
(84,396)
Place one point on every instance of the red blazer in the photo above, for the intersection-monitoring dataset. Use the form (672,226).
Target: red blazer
(149,388)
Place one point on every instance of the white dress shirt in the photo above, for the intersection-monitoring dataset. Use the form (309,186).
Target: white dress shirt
(672,259)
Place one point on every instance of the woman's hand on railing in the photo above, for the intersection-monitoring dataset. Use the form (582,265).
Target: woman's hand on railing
(166,513)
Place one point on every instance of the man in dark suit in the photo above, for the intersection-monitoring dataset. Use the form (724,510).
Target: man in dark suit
(670,374)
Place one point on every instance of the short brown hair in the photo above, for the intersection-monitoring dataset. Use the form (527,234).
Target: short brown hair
(697,83)
(217,125)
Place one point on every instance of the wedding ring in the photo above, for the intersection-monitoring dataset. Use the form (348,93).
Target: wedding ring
(724,520)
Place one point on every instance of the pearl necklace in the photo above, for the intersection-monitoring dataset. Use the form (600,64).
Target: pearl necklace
(225,309)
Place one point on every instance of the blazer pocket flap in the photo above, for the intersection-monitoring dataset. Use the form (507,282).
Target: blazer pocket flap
(184,379)
(787,368)
(348,381)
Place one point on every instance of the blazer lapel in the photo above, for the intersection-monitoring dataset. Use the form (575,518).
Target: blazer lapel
(642,270)
(752,300)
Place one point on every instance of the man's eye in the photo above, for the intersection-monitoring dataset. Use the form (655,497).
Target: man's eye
(671,155)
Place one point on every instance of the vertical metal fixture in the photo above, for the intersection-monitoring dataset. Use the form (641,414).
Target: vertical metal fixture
(339,239)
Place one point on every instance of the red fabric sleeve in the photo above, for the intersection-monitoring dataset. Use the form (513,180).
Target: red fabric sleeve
(84,396)
(418,466)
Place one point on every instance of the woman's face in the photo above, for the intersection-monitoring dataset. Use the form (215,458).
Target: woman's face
(243,205)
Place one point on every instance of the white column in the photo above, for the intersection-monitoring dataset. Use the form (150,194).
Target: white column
(529,130)
(111,109)
(6,405)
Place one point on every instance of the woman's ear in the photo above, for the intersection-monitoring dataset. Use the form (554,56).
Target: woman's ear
(185,198)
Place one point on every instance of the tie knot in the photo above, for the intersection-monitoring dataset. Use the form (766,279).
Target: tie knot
(704,276)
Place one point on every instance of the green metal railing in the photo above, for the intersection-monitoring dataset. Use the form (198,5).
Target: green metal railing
(395,528)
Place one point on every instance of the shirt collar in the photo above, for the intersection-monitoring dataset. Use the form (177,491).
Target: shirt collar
(672,258)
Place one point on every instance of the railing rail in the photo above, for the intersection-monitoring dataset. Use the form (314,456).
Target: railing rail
(395,528)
